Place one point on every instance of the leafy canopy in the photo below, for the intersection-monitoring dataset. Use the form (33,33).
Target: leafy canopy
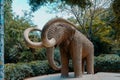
(36,4)
(116,10)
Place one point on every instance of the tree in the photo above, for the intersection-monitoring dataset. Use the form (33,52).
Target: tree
(84,16)
(116,7)
(36,4)
(116,10)
(15,47)
(1,40)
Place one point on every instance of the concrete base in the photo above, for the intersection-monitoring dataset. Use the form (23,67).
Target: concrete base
(98,76)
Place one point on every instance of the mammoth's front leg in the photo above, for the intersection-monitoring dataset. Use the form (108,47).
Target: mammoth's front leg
(77,59)
(64,63)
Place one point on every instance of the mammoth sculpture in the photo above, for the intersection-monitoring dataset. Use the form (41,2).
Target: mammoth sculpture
(72,43)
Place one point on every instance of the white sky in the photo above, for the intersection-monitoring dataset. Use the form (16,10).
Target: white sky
(40,16)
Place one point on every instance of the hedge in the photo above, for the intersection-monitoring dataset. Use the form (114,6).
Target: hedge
(107,63)
(19,71)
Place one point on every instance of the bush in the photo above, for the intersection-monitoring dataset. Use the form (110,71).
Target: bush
(19,71)
(40,67)
(107,63)
(26,56)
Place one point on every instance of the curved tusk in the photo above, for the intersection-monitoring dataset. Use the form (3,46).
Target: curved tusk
(28,41)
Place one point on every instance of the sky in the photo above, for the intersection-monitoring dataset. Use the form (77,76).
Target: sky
(40,16)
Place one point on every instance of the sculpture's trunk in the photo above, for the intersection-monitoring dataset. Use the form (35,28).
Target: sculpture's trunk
(50,56)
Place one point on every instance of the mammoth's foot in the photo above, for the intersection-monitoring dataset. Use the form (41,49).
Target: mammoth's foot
(78,76)
(91,72)
(64,76)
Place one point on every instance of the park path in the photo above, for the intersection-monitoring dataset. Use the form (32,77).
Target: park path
(97,76)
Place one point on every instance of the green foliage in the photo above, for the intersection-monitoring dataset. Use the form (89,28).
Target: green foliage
(14,42)
(36,4)
(40,67)
(102,37)
(25,56)
(116,11)
(40,54)
(107,63)
(19,71)
(116,48)
(80,3)
(8,10)
(57,56)
(15,47)
(116,7)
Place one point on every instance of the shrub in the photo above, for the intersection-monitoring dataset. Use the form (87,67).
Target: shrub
(107,63)
(19,71)
(26,56)
(40,67)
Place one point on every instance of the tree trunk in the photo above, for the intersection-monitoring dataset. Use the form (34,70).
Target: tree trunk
(1,40)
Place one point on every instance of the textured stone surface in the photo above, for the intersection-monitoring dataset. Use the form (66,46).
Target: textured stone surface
(98,76)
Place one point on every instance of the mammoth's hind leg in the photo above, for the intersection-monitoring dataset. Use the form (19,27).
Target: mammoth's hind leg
(90,62)
(64,63)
